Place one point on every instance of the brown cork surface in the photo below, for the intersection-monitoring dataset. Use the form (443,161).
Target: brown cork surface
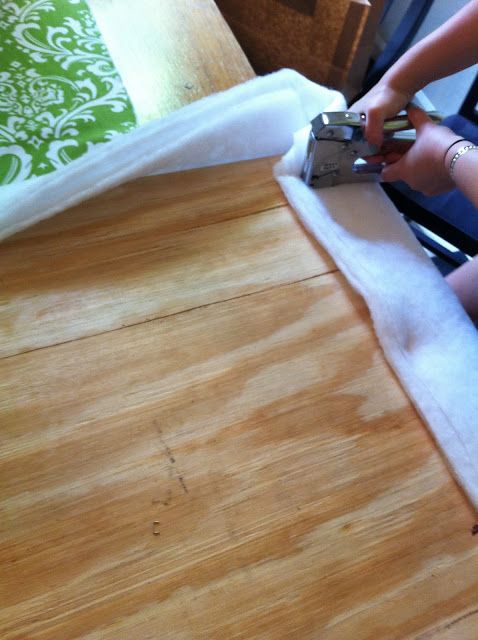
(317,38)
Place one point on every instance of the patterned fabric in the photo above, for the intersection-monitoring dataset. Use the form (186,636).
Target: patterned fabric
(59,91)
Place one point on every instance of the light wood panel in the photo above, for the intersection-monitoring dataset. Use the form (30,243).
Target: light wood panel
(151,248)
(296,491)
(363,51)
(465,627)
(170,52)
(201,439)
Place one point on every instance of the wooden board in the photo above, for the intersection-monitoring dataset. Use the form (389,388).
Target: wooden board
(148,249)
(187,355)
(170,52)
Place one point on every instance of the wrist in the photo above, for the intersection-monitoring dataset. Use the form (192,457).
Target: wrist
(447,155)
(400,84)
(454,152)
(400,95)
(454,144)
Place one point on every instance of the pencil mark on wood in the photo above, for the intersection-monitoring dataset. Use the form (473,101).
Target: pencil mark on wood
(183,484)
(166,448)
(173,471)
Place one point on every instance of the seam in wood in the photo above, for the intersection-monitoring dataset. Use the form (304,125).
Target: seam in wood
(170,315)
(173,232)
(428,635)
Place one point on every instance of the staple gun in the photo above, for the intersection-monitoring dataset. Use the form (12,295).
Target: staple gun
(337,147)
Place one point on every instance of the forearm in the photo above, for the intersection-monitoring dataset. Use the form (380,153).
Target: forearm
(464,282)
(448,49)
(464,171)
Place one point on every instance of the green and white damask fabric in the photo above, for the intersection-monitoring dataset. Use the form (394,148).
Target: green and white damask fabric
(60,93)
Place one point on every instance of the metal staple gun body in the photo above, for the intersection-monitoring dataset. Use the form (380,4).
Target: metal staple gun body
(337,147)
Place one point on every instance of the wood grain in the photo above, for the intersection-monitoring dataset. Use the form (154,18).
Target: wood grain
(465,627)
(200,436)
(148,249)
(363,51)
(297,492)
(351,36)
(170,52)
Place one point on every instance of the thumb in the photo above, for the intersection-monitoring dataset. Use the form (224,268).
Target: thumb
(418,118)
(392,172)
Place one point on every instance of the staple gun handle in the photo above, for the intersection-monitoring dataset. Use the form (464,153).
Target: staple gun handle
(332,120)
(402,123)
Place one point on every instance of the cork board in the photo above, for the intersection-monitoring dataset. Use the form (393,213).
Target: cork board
(318,38)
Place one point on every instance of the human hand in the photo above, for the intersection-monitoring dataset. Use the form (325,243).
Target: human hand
(422,167)
(380,103)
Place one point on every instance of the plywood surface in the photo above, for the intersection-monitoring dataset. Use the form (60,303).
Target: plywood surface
(96,276)
(170,52)
(201,438)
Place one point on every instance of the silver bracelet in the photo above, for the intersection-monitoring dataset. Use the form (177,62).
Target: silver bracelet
(452,145)
(458,154)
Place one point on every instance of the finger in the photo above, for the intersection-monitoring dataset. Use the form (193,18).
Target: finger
(396,146)
(417,117)
(378,157)
(392,172)
(374,127)
(386,158)
(392,158)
